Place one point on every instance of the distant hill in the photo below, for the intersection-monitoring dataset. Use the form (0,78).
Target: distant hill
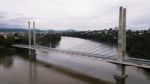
(12,30)
(70,30)
(37,30)
(50,30)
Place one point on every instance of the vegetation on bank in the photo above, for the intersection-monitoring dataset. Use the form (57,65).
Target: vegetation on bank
(5,45)
(48,40)
(138,42)
(7,42)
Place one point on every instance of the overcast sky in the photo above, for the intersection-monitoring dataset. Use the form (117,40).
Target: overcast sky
(74,14)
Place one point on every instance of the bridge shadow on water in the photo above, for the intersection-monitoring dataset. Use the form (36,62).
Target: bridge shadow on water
(75,74)
(86,78)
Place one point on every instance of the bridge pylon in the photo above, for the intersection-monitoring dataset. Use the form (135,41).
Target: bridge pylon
(29,27)
(34,34)
(32,53)
(121,52)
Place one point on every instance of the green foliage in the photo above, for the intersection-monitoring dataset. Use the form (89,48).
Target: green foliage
(45,40)
(9,41)
(22,40)
(5,47)
(138,44)
(6,43)
(1,40)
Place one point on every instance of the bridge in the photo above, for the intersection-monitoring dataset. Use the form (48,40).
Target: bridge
(119,59)
(128,61)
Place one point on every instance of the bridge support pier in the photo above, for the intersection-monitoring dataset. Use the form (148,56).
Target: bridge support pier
(32,55)
(120,73)
(120,81)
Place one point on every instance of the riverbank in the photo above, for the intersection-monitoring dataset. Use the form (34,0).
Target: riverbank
(138,42)
(6,42)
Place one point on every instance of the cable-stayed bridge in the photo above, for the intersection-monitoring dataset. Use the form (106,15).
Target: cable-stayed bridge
(116,56)
(108,58)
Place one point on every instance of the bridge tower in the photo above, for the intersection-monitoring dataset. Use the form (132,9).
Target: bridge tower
(32,53)
(29,27)
(34,34)
(121,52)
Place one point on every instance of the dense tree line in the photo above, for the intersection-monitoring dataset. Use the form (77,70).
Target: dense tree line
(42,39)
(49,39)
(5,45)
(138,42)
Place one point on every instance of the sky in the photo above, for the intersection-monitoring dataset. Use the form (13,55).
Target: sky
(73,14)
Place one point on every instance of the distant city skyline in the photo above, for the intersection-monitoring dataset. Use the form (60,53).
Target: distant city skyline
(73,14)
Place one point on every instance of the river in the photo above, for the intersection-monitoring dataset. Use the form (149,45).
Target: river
(61,68)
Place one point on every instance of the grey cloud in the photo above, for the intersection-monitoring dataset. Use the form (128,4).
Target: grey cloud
(81,14)
(8,20)
(3,15)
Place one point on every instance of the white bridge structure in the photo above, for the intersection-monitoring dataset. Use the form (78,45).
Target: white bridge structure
(128,61)
(120,59)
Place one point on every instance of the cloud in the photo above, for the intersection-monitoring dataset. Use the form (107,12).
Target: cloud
(3,15)
(78,14)
(8,20)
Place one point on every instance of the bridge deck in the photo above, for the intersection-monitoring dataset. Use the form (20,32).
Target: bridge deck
(128,61)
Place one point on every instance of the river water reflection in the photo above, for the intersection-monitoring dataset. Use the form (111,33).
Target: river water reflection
(58,68)
(16,70)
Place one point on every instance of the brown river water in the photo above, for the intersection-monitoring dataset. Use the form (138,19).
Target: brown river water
(61,68)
